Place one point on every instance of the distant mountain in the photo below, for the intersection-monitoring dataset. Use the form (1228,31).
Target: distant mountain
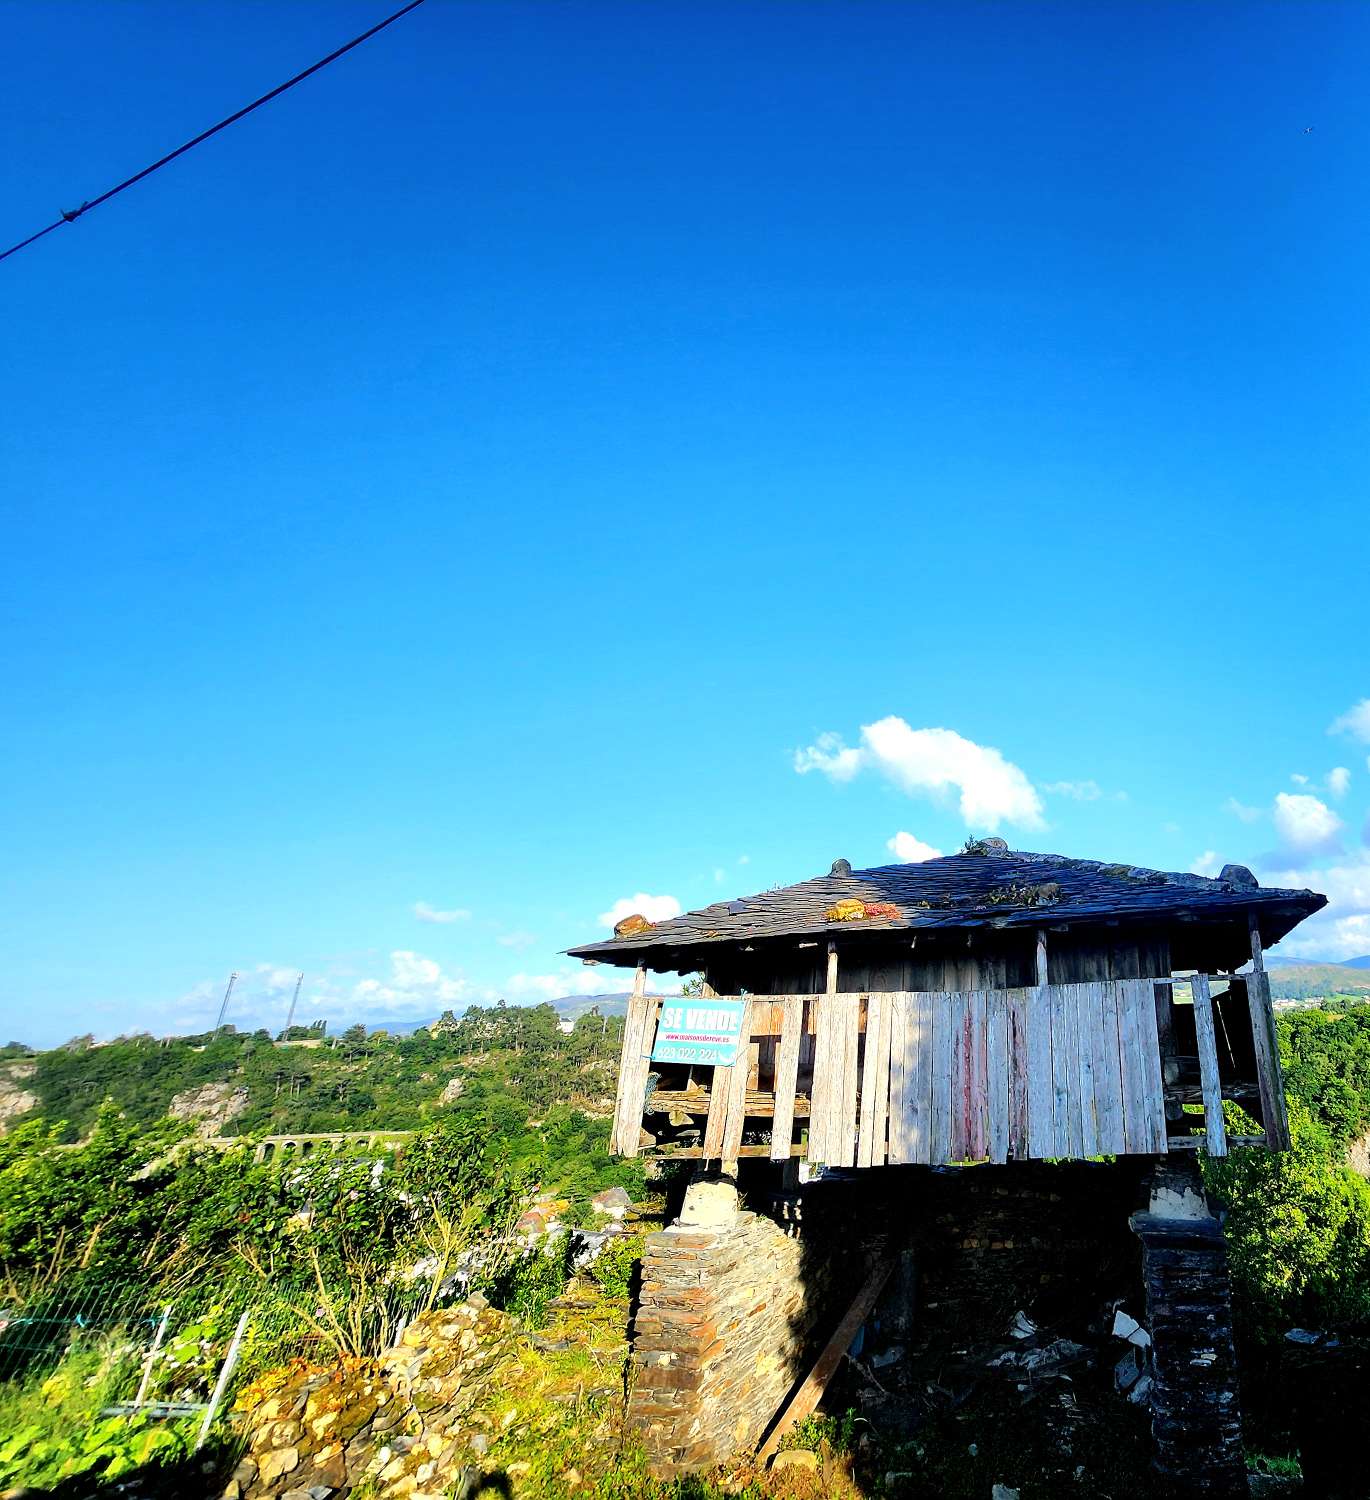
(1308,980)
(574,1006)
(1363,962)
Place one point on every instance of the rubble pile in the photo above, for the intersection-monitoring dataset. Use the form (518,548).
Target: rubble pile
(409,1423)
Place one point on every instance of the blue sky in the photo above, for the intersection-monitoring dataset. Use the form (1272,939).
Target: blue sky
(478,483)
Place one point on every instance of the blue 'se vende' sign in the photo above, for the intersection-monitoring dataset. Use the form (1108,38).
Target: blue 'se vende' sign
(699,1031)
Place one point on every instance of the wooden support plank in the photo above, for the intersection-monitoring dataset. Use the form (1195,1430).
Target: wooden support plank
(1208,1067)
(1136,1135)
(1043,978)
(717,1120)
(997,1079)
(1070,1013)
(1041,1098)
(875,1082)
(943,1049)
(740,1076)
(1154,1078)
(1274,1110)
(919,1095)
(823,1082)
(787,1077)
(1018,1060)
(842,1124)
(1108,1074)
(977,1033)
(811,1388)
(1062,1059)
(1089,1007)
(633,1067)
(899,1080)
(958,1139)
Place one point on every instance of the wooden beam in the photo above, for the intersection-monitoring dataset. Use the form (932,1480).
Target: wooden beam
(811,1389)
(1274,1111)
(1208,1067)
(832,966)
(1041,955)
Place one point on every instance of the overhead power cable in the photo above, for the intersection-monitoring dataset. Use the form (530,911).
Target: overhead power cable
(72,216)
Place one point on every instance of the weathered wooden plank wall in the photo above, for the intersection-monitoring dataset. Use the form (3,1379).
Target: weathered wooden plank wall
(1041,1071)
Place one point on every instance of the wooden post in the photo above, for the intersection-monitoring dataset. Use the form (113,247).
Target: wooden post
(1041,956)
(1273,1108)
(832,966)
(1208,1066)
(632,1072)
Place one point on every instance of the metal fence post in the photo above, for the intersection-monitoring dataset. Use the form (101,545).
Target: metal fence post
(151,1357)
(221,1385)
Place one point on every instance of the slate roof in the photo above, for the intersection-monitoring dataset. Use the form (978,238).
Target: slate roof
(991,886)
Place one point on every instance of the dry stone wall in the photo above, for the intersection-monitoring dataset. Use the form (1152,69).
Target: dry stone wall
(726,1316)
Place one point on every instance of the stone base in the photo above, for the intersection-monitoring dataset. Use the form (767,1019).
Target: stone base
(1195,1414)
(720,1335)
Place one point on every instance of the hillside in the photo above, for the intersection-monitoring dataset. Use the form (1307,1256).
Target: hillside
(511,1069)
(1317,981)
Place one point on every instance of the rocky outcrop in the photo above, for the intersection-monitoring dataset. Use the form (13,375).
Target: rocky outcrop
(211,1107)
(411,1423)
(15,1099)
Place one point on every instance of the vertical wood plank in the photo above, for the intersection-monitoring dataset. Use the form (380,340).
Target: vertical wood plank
(1134,1112)
(1108,1076)
(865,1109)
(842,1098)
(1062,1059)
(1269,1077)
(1041,1098)
(978,1032)
(737,1087)
(1089,1006)
(1041,957)
(1074,1103)
(1208,1067)
(633,1068)
(1152,1075)
(898,1123)
(997,1083)
(1018,1060)
(786,1077)
(940,1080)
(821,1011)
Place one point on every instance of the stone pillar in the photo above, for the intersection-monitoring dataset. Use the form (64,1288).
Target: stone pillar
(1195,1414)
(727,1302)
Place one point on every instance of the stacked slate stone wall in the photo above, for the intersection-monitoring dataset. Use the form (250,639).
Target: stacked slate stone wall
(1195,1416)
(727,1315)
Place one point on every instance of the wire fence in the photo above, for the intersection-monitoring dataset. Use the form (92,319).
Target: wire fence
(172,1346)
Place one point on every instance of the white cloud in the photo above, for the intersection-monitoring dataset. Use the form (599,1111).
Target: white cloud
(719,876)
(416,986)
(1342,929)
(1355,722)
(911,851)
(1207,863)
(992,790)
(1081,791)
(654,908)
(1305,825)
(580,981)
(744,859)
(426,913)
(1338,781)
(829,755)
(1298,778)
(1242,811)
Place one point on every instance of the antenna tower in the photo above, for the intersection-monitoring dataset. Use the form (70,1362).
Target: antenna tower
(290,1015)
(232,980)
